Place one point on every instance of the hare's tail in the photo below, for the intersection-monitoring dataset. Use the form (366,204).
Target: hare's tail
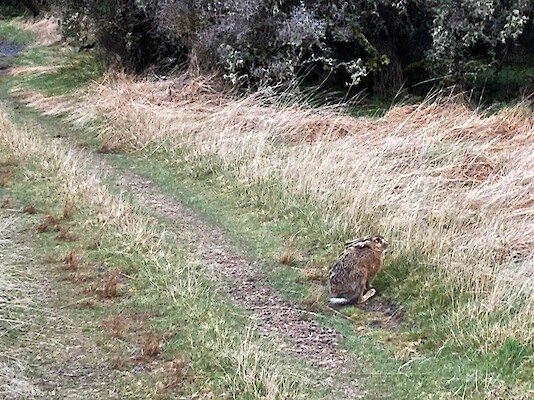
(339,301)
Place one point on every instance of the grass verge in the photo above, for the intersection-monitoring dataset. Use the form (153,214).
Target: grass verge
(10,31)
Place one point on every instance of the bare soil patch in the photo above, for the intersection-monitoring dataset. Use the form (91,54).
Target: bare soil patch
(385,313)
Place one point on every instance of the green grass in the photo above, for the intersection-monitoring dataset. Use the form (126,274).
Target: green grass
(72,71)
(81,70)
(43,56)
(14,35)
(512,82)
(48,344)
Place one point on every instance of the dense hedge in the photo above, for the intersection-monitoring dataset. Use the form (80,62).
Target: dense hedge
(377,43)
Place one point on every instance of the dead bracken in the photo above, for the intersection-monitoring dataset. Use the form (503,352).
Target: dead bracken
(49,221)
(71,260)
(29,209)
(109,285)
(116,325)
(65,234)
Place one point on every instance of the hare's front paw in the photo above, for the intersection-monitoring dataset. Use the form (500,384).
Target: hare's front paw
(370,293)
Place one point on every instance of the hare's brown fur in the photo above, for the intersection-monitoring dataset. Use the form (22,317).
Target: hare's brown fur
(351,275)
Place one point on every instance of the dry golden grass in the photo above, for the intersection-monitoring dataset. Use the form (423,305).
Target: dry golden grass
(74,173)
(7,170)
(80,183)
(150,345)
(32,70)
(174,374)
(289,256)
(5,177)
(438,176)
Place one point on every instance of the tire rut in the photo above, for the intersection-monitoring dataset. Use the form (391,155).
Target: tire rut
(248,286)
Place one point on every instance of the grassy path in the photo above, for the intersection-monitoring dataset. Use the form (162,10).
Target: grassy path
(232,274)
(228,273)
(46,349)
(258,354)
(244,281)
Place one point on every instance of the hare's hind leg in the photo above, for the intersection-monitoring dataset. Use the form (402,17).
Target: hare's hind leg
(360,287)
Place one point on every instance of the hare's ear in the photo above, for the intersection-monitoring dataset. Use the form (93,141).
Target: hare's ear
(351,243)
(357,242)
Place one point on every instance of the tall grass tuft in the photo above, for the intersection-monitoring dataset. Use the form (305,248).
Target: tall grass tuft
(45,31)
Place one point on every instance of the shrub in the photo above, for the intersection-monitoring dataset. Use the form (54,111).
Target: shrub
(258,42)
(125,29)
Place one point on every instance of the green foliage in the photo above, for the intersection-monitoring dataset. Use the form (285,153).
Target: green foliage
(470,36)
(512,354)
(126,30)
(507,84)
(16,8)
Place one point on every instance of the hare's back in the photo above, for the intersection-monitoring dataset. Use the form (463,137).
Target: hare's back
(347,268)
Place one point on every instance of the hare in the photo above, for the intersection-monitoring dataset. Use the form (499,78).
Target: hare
(350,276)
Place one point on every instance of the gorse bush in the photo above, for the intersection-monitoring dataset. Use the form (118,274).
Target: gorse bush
(379,44)
(470,35)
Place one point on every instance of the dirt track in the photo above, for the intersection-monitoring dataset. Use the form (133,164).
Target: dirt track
(247,286)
